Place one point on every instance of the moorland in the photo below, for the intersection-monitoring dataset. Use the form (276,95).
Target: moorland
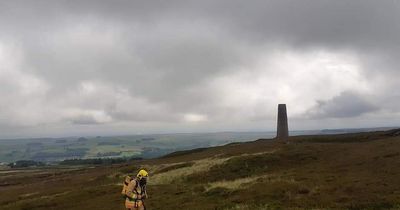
(343,171)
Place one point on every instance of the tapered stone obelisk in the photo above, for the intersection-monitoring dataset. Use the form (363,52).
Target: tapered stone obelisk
(282,133)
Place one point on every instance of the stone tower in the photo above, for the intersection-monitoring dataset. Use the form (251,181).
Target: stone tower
(282,133)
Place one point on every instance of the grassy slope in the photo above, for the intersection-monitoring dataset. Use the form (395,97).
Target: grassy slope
(351,171)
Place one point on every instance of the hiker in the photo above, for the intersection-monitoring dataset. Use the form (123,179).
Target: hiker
(135,191)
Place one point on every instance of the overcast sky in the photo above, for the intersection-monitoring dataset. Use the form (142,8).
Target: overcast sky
(126,67)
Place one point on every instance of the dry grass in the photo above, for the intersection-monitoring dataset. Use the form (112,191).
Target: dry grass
(246,182)
(249,207)
(234,184)
(335,172)
(179,174)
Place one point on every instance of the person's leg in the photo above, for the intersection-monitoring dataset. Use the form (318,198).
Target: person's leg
(141,206)
(129,205)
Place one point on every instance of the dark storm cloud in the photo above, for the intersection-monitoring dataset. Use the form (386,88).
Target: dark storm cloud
(105,62)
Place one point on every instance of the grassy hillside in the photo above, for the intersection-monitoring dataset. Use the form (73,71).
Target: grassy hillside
(348,171)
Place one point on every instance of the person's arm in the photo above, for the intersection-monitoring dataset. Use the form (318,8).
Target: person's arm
(145,192)
(130,192)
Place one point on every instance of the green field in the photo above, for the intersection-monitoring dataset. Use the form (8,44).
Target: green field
(145,146)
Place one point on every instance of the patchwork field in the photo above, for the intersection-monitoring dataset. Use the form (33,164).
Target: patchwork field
(348,171)
(143,146)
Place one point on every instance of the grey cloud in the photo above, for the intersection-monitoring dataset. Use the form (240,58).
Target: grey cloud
(84,120)
(342,23)
(169,57)
(345,105)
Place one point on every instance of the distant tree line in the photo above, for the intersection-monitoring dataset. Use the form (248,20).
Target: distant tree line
(25,164)
(70,162)
(97,161)
(69,153)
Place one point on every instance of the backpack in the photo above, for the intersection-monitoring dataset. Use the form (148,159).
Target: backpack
(128,180)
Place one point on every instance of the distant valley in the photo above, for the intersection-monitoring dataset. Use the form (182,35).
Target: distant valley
(53,150)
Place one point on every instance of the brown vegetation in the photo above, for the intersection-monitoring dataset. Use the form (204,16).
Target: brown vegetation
(351,171)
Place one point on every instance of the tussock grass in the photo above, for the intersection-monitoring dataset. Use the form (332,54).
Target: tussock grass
(246,182)
(236,167)
(234,184)
(250,207)
(168,173)
(179,174)
(174,167)
(277,178)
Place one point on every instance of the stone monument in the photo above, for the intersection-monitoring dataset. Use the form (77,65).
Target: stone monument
(282,133)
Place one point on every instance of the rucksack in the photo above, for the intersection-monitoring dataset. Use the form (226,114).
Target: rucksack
(127,180)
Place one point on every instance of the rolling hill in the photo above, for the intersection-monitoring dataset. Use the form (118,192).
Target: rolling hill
(344,171)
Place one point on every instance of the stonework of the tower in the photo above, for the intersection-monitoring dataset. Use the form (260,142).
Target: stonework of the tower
(282,133)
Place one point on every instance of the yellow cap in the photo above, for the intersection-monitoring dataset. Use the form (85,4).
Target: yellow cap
(142,173)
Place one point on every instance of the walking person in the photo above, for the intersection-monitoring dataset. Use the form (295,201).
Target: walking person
(135,191)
